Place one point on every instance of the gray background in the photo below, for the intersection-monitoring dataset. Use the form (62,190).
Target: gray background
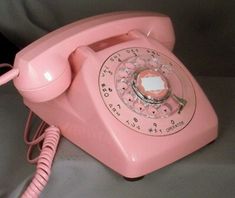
(204,29)
(205,43)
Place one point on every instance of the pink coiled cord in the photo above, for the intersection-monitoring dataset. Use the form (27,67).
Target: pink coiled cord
(50,137)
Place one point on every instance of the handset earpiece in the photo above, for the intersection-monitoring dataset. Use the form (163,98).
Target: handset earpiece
(43,78)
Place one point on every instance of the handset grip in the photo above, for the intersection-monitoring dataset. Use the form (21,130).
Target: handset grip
(44,66)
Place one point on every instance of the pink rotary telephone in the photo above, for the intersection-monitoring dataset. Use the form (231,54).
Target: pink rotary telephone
(112,86)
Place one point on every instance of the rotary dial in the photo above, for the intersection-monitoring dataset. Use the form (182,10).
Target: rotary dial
(147,91)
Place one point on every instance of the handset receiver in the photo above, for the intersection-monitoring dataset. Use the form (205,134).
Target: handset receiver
(44,67)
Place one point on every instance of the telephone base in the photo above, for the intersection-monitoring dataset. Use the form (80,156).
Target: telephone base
(94,80)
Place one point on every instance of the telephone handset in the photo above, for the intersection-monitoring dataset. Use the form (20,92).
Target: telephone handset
(113,87)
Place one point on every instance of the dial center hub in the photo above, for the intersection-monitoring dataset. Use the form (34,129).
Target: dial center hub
(151,86)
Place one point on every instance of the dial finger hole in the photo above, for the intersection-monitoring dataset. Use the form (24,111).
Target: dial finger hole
(123,73)
(122,86)
(140,61)
(165,109)
(165,69)
(139,107)
(129,65)
(128,98)
(152,111)
(153,62)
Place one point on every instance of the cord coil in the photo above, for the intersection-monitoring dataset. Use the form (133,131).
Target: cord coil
(50,139)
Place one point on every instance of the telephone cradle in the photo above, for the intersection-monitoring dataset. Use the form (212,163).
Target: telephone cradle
(113,87)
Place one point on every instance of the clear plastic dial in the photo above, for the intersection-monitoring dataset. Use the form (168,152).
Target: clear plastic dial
(147,91)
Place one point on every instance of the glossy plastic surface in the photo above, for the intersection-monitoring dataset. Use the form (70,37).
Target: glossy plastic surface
(80,111)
